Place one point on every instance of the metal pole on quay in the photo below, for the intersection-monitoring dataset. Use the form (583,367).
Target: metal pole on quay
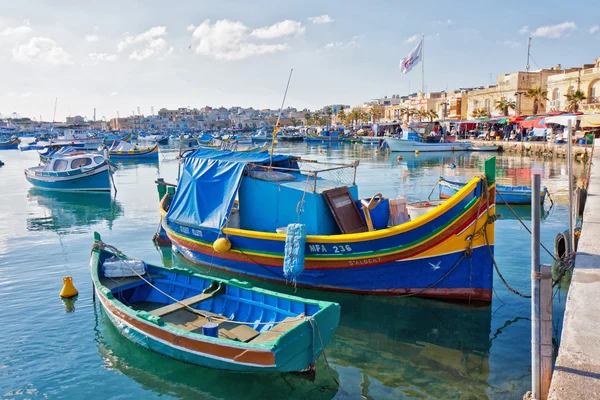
(541,306)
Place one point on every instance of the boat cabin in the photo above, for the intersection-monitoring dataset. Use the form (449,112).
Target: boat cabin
(74,161)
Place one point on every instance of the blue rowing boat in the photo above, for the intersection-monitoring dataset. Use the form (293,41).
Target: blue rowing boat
(208,321)
(9,144)
(504,194)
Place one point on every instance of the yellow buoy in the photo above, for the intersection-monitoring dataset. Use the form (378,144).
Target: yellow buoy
(222,245)
(377,151)
(417,152)
(68,289)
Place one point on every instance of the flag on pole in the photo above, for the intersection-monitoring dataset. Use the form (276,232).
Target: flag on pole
(412,59)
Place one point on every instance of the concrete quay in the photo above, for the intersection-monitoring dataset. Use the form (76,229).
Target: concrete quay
(540,149)
(577,370)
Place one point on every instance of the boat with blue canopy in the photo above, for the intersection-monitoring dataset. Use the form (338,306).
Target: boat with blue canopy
(302,221)
(208,321)
(504,194)
(72,171)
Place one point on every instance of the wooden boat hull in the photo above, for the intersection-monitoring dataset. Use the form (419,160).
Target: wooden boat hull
(403,145)
(426,257)
(145,153)
(10,145)
(510,194)
(324,139)
(96,179)
(295,350)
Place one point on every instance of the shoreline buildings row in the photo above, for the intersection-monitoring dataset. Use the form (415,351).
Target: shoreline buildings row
(459,104)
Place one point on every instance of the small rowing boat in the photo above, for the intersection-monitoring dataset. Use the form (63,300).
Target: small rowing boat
(504,194)
(9,144)
(124,151)
(217,323)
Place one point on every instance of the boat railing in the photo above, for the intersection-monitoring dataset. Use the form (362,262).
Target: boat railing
(315,170)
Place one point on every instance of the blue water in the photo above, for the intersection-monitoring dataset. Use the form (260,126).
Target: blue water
(384,348)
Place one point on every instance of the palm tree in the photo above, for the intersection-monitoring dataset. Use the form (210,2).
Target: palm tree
(405,112)
(376,112)
(329,113)
(539,98)
(575,99)
(503,106)
(422,114)
(307,117)
(432,114)
(479,112)
(341,115)
(293,121)
(362,115)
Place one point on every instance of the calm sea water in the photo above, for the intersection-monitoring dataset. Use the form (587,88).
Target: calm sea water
(384,348)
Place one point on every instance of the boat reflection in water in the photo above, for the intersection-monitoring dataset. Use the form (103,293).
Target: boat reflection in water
(384,347)
(70,212)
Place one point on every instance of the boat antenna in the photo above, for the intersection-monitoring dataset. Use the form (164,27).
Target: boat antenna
(423,65)
(279,117)
(527,66)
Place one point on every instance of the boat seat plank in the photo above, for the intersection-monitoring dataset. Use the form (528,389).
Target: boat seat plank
(168,309)
(188,321)
(234,331)
(278,330)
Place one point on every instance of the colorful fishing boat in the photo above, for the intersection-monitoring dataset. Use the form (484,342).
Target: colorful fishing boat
(124,151)
(217,323)
(412,145)
(504,195)
(442,254)
(9,144)
(77,171)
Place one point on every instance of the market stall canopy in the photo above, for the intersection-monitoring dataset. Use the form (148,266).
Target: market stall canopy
(533,123)
(587,120)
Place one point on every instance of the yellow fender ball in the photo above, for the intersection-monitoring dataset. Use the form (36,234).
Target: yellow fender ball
(417,152)
(222,245)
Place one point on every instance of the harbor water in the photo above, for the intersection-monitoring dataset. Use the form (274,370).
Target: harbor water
(384,348)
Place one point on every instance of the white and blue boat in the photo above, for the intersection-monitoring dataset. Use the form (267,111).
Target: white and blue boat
(75,171)
(504,194)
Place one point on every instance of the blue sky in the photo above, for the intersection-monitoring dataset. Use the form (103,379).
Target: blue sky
(120,55)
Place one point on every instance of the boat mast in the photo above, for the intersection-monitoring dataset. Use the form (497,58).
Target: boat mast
(54,115)
(279,117)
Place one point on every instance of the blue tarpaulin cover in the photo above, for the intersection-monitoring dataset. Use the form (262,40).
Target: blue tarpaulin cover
(205,193)
(242,157)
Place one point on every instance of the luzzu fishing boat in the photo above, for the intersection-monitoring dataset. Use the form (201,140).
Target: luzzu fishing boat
(207,321)
(73,171)
(504,194)
(9,144)
(446,253)
(124,151)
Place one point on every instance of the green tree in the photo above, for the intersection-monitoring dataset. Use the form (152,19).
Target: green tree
(574,100)
(341,116)
(376,112)
(432,114)
(504,105)
(539,98)
(329,112)
(307,117)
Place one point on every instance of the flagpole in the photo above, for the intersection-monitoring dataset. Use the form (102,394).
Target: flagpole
(423,65)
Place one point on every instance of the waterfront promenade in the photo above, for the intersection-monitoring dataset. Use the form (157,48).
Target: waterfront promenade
(577,371)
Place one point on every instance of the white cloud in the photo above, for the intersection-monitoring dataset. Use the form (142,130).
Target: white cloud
(190,28)
(16,32)
(594,29)
(446,22)
(25,95)
(412,39)
(511,43)
(321,19)
(91,38)
(42,50)
(283,28)
(343,44)
(524,30)
(113,94)
(432,37)
(555,31)
(99,57)
(231,40)
(147,44)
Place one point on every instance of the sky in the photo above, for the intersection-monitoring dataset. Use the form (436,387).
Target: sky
(116,56)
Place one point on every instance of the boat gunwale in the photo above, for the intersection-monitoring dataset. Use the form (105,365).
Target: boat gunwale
(356,237)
